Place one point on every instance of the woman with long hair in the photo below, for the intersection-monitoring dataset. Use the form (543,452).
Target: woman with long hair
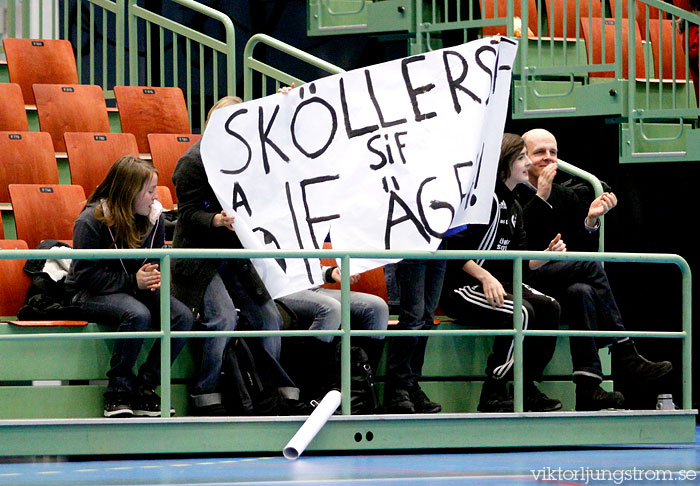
(481,291)
(124,212)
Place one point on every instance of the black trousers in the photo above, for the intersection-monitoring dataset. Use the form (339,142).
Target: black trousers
(539,312)
(587,303)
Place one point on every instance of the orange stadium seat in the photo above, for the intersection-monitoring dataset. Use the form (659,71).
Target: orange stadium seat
(13,115)
(165,197)
(488,11)
(46,211)
(641,13)
(166,149)
(13,280)
(26,158)
(39,61)
(70,108)
(371,282)
(594,40)
(664,56)
(90,155)
(144,110)
(14,283)
(557,8)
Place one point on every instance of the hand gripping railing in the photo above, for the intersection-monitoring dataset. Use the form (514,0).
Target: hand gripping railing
(518,333)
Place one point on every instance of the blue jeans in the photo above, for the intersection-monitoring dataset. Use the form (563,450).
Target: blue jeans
(135,313)
(322,307)
(420,285)
(219,313)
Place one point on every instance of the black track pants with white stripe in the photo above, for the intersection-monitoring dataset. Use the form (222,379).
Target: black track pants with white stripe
(539,312)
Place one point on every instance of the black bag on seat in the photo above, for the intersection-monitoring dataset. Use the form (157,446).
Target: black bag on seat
(253,382)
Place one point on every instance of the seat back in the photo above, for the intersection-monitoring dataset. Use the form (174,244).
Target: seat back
(663,51)
(640,12)
(13,280)
(165,197)
(166,149)
(44,211)
(594,38)
(488,11)
(371,282)
(13,115)
(557,9)
(26,158)
(39,61)
(144,110)
(91,155)
(70,108)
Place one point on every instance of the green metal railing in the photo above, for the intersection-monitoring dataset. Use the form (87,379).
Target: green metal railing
(209,52)
(671,101)
(165,334)
(117,42)
(251,66)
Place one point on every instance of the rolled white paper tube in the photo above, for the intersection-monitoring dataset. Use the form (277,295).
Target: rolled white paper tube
(313,424)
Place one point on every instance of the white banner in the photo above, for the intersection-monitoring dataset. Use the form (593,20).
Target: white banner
(385,157)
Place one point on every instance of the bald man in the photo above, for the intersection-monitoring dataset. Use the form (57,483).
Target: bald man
(582,288)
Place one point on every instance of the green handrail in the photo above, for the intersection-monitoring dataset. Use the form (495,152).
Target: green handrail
(227,47)
(164,255)
(251,65)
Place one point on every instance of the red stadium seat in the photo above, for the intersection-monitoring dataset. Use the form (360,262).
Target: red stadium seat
(39,61)
(13,280)
(26,158)
(166,149)
(594,40)
(557,8)
(70,108)
(371,282)
(13,115)
(165,197)
(641,13)
(144,110)
(488,11)
(91,155)
(44,211)
(663,50)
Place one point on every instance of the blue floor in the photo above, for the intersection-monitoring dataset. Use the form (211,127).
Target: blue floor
(644,465)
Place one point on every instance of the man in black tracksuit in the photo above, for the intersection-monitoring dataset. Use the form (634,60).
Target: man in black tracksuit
(582,288)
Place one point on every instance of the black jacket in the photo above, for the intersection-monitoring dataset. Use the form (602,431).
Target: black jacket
(504,232)
(108,276)
(197,206)
(563,212)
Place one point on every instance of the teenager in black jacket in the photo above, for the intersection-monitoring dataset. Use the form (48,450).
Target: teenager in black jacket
(480,291)
(123,212)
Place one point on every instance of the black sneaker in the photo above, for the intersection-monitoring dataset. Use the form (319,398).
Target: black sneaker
(146,403)
(536,401)
(117,405)
(398,401)
(594,399)
(421,402)
(495,397)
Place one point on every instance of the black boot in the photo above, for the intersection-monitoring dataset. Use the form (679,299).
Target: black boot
(630,367)
(590,397)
